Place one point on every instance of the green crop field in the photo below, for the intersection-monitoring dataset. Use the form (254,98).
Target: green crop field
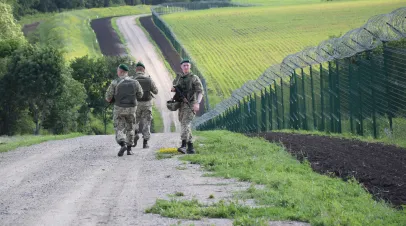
(277,2)
(71,30)
(287,2)
(233,45)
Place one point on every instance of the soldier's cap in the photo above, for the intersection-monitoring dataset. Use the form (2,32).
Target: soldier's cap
(185,61)
(123,67)
(140,64)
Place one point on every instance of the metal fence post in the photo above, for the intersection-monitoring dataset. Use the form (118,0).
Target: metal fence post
(278,119)
(373,94)
(331,95)
(388,92)
(360,125)
(350,93)
(270,102)
(282,106)
(338,98)
(305,127)
(313,100)
(322,99)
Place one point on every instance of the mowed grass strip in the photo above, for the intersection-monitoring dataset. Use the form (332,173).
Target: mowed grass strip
(72,31)
(12,143)
(287,2)
(280,2)
(292,190)
(234,45)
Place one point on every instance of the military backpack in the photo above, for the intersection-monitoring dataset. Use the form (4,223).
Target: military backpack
(125,93)
(146,84)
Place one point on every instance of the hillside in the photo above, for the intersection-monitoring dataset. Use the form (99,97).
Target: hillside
(230,53)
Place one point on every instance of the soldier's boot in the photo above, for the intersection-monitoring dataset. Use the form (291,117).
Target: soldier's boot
(145,145)
(182,149)
(129,152)
(136,138)
(190,149)
(122,149)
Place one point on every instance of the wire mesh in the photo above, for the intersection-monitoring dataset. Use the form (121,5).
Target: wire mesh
(352,84)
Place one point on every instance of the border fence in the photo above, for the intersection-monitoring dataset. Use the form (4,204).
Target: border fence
(352,84)
(169,8)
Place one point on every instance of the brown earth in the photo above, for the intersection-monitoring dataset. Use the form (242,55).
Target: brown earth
(109,41)
(380,168)
(170,54)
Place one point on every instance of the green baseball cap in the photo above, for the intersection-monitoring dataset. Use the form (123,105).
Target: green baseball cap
(123,67)
(185,61)
(139,64)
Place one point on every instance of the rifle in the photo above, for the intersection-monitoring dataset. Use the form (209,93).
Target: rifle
(180,97)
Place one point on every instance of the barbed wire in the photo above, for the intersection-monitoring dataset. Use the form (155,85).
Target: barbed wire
(378,30)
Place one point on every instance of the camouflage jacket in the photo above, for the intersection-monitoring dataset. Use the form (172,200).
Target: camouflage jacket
(112,89)
(190,85)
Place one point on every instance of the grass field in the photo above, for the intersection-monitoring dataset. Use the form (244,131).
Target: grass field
(71,30)
(292,190)
(157,124)
(233,45)
(10,143)
(287,2)
(277,2)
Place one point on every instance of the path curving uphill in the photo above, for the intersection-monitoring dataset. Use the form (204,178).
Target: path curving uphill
(142,49)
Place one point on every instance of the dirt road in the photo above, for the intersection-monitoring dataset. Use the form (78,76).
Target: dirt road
(142,49)
(81,181)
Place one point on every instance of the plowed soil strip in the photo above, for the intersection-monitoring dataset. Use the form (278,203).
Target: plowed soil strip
(109,42)
(380,168)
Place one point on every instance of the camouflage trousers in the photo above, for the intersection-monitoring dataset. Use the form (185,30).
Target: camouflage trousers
(186,117)
(143,120)
(124,124)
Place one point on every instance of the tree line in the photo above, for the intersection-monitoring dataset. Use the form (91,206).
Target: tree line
(43,93)
(24,7)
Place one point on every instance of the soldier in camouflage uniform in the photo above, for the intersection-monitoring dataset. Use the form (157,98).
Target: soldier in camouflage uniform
(124,92)
(191,87)
(144,107)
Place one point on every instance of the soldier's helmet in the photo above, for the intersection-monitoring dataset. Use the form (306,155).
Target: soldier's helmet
(173,105)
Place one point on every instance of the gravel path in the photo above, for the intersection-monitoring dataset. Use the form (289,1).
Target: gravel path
(81,181)
(142,49)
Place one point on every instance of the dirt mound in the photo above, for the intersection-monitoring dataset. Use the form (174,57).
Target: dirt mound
(109,42)
(380,168)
